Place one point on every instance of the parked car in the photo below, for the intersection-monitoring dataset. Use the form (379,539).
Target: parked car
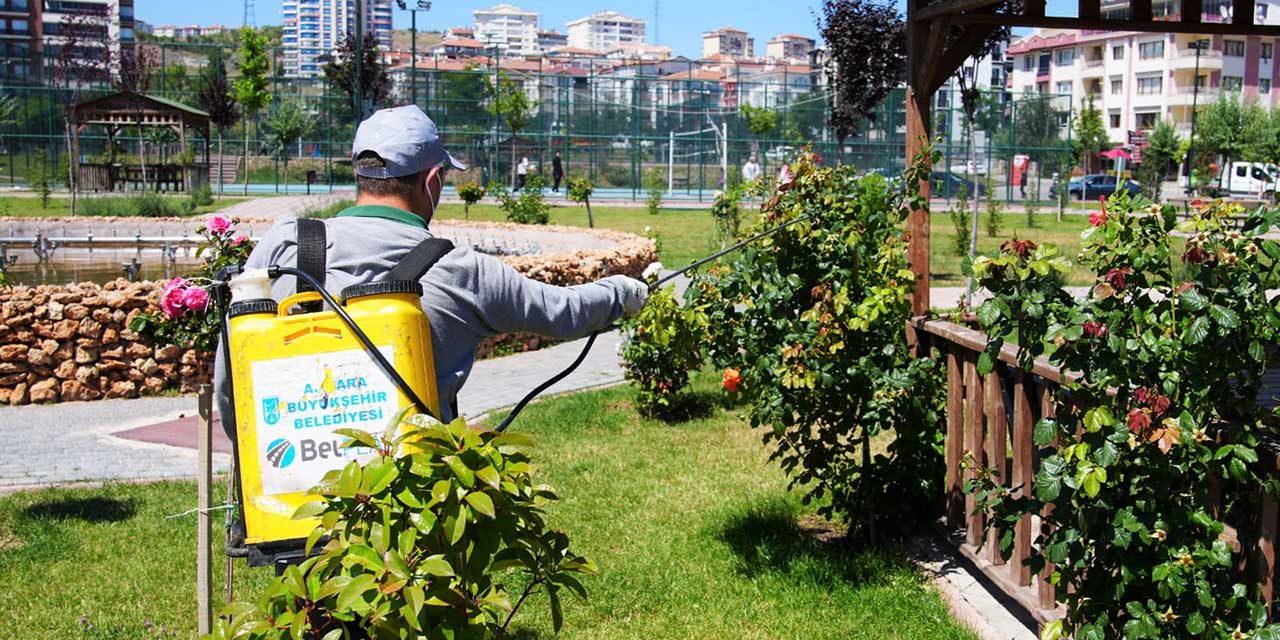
(780,152)
(947,184)
(623,142)
(968,167)
(1096,185)
(1073,185)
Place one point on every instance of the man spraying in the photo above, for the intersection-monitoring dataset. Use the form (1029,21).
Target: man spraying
(400,165)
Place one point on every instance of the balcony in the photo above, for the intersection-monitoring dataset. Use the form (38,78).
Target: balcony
(1092,68)
(1185,58)
(1182,96)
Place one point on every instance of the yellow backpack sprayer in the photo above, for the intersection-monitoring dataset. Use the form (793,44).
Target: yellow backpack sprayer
(353,363)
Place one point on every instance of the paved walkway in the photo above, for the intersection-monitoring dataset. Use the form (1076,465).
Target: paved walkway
(86,441)
(283,207)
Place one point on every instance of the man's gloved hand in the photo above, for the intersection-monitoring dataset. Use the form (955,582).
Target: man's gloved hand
(635,294)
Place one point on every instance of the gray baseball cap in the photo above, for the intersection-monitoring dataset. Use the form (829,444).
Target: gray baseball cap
(406,140)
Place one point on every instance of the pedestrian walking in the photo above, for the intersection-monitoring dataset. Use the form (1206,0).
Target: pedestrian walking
(557,172)
(522,172)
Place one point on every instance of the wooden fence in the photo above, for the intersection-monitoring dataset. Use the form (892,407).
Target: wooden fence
(991,418)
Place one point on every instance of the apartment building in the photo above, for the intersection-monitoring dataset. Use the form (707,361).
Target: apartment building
(606,31)
(111,28)
(189,31)
(789,47)
(548,40)
(313,29)
(20,39)
(513,30)
(727,41)
(1138,79)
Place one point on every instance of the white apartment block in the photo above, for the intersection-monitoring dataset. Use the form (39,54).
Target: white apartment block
(727,41)
(174,31)
(790,47)
(313,29)
(1138,79)
(513,30)
(606,31)
(989,75)
(113,20)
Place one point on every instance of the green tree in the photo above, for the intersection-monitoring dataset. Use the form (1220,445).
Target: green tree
(1225,127)
(286,124)
(512,105)
(375,86)
(580,191)
(460,92)
(760,121)
(655,188)
(1035,131)
(470,193)
(1089,135)
(1164,150)
(250,89)
(9,108)
(213,94)
(40,180)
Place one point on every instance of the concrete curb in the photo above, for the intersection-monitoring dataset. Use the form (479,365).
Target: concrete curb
(969,599)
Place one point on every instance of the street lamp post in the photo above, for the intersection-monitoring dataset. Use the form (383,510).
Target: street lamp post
(423,5)
(1199,46)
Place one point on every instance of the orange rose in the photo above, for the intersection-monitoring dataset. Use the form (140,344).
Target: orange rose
(731,380)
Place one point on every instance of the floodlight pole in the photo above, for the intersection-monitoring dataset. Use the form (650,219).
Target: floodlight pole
(423,5)
(359,55)
(1199,46)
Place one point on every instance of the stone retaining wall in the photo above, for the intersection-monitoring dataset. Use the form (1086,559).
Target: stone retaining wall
(72,342)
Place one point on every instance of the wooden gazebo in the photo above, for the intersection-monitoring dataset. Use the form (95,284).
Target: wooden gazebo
(940,36)
(129,109)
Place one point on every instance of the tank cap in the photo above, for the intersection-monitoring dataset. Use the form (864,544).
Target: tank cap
(381,287)
(248,307)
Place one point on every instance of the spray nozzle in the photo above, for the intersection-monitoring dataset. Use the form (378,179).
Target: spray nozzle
(251,284)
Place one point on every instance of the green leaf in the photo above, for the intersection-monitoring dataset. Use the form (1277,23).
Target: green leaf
(1192,299)
(1225,317)
(986,363)
(437,566)
(1044,433)
(1257,351)
(351,598)
(1106,455)
(378,475)
(481,502)
(358,437)
(312,539)
(349,481)
(1198,331)
(460,470)
(490,476)
(1195,623)
(557,615)
(1237,470)
(988,313)
(310,509)
(364,555)
(1097,418)
(456,525)
(1047,487)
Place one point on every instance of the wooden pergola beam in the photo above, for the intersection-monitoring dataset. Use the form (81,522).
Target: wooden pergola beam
(950,8)
(1154,26)
(1242,12)
(1089,9)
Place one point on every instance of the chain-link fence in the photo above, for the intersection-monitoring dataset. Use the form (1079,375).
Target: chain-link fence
(628,127)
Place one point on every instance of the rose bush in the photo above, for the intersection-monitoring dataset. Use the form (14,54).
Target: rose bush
(186,318)
(662,345)
(1171,345)
(811,320)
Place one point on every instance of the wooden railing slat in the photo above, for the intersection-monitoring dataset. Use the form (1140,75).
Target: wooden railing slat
(1048,595)
(954,439)
(997,452)
(974,423)
(1023,474)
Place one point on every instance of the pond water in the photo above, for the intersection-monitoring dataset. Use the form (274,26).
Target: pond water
(97,265)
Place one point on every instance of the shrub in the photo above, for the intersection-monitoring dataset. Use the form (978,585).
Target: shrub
(40,180)
(528,206)
(470,193)
(324,212)
(1171,342)
(150,205)
(663,344)
(1033,208)
(995,213)
(419,545)
(202,195)
(655,188)
(960,221)
(728,214)
(580,190)
(812,320)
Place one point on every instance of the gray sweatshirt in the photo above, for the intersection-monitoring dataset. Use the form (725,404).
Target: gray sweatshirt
(467,296)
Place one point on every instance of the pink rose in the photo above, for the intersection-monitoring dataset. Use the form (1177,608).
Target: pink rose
(173,300)
(784,175)
(219,225)
(238,240)
(196,299)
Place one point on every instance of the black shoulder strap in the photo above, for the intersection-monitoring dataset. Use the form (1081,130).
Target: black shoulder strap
(311,258)
(420,259)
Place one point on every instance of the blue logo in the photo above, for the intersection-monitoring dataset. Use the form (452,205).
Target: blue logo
(271,410)
(280,453)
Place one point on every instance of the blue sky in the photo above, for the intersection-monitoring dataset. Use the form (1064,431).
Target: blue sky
(681,22)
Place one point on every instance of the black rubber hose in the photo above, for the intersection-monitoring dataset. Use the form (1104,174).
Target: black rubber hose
(274,272)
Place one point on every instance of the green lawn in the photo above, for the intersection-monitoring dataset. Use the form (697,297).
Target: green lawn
(683,235)
(59,206)
(691,525)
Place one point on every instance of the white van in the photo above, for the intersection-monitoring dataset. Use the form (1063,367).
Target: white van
(1250,179)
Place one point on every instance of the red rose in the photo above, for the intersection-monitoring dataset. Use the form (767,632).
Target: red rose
(1141,396)
(1095,329)
(1195,255)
